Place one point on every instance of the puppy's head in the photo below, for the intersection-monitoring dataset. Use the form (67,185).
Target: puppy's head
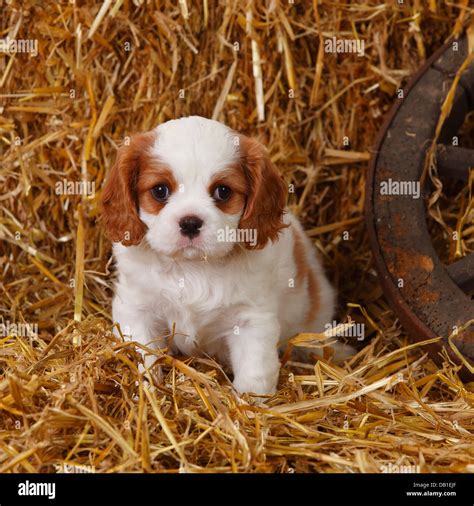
(193,188)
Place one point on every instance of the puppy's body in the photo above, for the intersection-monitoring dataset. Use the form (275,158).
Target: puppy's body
(230,299)
(251,296)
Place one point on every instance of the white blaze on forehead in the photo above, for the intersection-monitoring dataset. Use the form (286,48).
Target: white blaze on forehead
(195,148)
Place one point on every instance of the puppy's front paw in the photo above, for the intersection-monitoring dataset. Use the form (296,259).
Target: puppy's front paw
(149,373)
(256,384)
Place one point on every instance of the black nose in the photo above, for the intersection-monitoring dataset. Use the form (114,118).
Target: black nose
(190,226)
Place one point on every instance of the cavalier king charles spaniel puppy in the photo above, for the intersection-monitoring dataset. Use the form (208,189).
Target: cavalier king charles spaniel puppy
(208,259)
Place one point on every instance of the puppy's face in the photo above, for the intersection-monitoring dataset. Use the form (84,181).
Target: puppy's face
(193,188)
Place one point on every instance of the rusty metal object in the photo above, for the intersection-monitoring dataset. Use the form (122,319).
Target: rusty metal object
(429,298)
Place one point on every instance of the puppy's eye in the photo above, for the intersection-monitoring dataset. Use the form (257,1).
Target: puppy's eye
(222,193)
(160,192)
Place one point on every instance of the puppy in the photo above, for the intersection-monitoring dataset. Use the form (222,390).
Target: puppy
(203,244)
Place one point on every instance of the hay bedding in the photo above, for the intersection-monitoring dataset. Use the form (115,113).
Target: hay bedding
(71,395)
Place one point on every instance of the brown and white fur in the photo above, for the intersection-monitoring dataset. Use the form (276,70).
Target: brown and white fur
(235,298)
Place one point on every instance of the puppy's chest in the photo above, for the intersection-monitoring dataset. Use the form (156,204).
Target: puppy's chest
(199,305)
(200,293)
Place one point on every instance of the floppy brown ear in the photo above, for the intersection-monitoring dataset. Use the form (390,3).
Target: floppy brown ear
(266,196)
(119,201)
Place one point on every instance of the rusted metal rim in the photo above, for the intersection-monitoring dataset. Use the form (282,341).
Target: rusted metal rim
(429,298)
